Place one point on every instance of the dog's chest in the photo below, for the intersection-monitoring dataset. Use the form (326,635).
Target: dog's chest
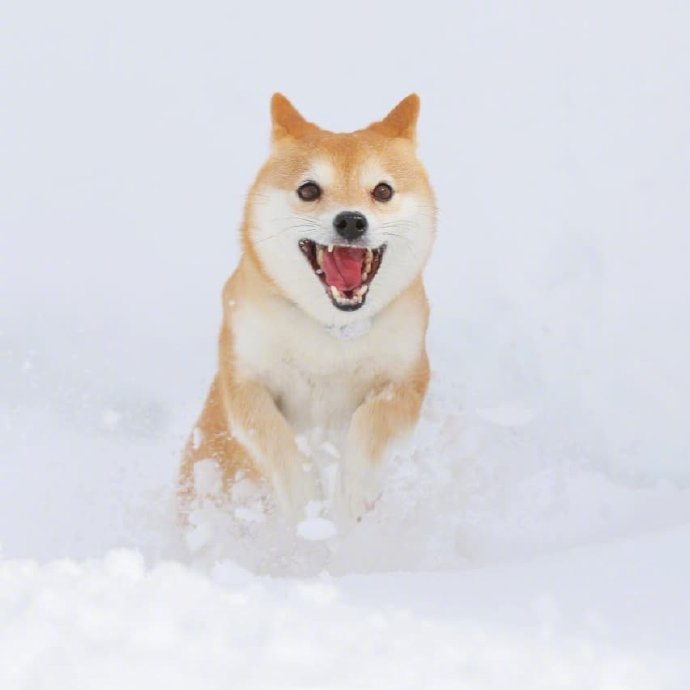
(317,378)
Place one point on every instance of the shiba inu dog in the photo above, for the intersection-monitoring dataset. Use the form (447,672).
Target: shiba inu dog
(325,317)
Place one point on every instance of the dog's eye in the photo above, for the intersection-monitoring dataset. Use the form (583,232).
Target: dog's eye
(309,191)
(382,192)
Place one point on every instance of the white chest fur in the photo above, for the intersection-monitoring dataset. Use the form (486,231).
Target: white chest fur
(317,376)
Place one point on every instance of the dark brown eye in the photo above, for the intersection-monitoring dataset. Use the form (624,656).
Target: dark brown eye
(309,191)
(382,192)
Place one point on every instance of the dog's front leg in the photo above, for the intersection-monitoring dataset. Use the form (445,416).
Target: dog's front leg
(258,425)
(381,419)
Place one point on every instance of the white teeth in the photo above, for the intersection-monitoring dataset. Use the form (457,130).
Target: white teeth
(368,260)
(357,295)
(319,256)
(319,272)
(330,248)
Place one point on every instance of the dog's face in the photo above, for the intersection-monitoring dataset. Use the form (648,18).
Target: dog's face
(341,223)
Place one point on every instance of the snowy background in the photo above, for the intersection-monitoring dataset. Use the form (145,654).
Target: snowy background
(535,533)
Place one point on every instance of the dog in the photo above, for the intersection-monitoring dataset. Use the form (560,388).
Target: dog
(325,317)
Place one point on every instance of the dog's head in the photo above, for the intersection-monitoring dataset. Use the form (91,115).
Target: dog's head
(341,223)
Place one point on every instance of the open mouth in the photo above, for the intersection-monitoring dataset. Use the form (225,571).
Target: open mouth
(346,272)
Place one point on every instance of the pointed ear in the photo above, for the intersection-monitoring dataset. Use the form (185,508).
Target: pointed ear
(402,120)
(285,118)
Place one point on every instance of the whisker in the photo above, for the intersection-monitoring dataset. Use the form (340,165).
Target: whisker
(305,228)
(408,244)
(306,220)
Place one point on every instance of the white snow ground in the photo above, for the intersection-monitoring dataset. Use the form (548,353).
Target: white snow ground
(536,531)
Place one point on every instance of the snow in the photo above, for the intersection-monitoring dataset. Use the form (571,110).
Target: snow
(535,531)
(552,623)
(316,529)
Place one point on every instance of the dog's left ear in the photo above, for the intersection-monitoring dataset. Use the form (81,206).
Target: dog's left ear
(401,122)
(286,119)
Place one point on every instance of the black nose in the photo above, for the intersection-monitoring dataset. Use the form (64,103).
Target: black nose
(350,224)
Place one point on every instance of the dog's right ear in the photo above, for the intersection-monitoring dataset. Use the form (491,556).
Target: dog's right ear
(286,119)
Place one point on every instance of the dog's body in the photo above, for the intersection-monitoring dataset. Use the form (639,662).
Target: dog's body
(325,317)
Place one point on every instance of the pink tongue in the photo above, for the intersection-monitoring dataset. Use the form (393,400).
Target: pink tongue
(343,267)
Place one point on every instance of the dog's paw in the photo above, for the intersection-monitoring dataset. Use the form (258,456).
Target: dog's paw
(297,488)
(358,490)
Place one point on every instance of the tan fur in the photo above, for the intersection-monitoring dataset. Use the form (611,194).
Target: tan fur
(280,370)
